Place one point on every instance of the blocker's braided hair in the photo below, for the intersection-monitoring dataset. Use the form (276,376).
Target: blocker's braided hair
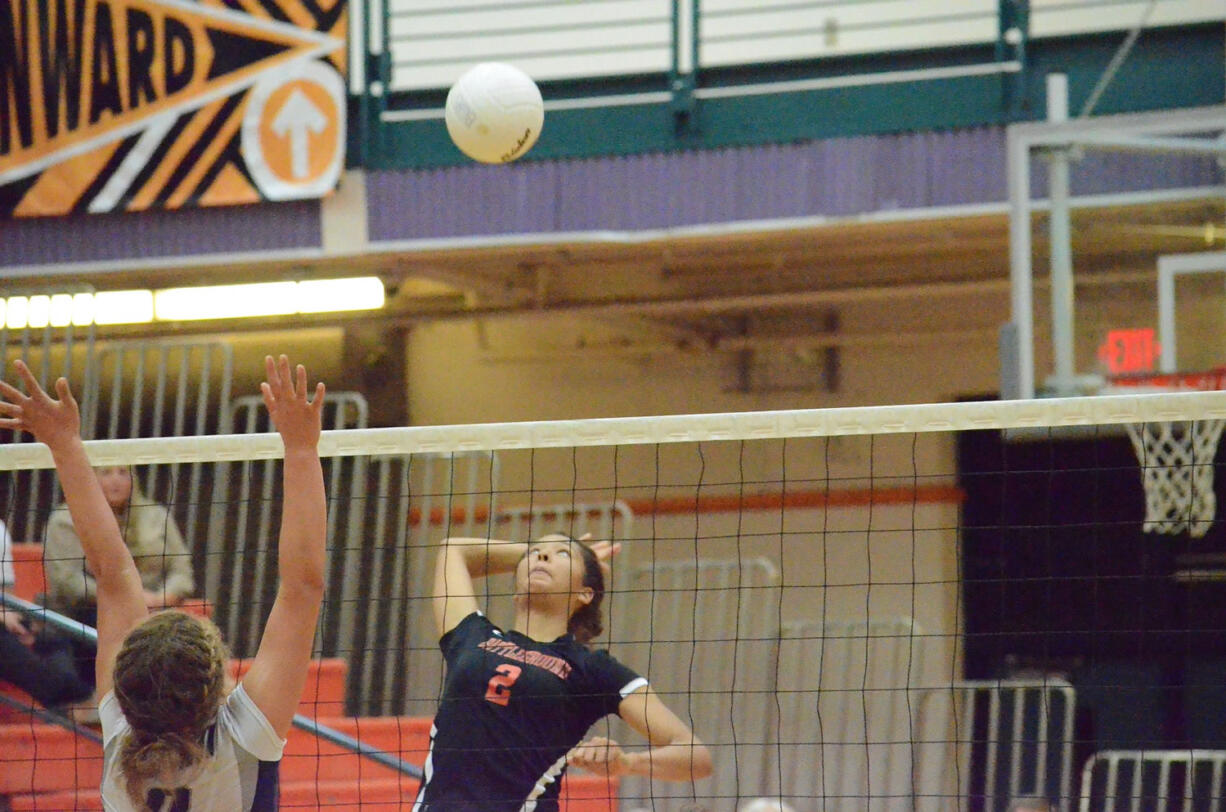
(170,679)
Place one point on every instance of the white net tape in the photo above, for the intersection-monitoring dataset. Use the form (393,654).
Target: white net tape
(1035,415)
(1177,474)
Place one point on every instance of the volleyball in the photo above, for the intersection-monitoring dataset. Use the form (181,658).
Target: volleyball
(494,113)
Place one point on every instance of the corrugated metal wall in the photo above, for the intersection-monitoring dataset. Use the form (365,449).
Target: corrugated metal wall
(836,177)
(103,238)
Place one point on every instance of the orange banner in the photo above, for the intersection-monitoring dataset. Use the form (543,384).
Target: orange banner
(126,105)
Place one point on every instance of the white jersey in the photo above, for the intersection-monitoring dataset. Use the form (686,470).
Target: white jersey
(7,576)
(239,775)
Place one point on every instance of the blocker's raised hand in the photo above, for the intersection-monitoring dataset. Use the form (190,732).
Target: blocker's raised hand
(51,421)
(297,418)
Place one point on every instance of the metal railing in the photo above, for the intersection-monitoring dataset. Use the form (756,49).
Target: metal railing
(1158,780)
(1002,740)
(423,45)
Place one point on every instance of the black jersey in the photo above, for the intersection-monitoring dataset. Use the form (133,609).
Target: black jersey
(512,708)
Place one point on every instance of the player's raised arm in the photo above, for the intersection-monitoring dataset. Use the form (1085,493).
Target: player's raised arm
(57,423)
(460,561)
(278,672)
(463,560)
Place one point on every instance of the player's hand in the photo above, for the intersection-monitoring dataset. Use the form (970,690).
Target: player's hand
(51,421)
(13,624)
(600,756)
(285,395)
(604,550)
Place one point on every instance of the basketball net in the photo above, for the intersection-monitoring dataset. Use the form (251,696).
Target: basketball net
(1177,457)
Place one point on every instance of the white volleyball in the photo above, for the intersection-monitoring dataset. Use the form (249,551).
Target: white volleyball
(494,113)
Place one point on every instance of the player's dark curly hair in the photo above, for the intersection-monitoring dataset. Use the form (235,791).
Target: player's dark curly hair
(586,623)
(170,679)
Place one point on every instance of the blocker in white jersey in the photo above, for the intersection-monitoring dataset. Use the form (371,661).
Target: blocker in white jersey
(175,738)
(240,772)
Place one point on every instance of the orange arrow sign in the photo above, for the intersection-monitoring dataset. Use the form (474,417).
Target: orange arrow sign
(78,74)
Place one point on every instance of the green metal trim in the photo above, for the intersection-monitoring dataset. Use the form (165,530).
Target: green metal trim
(1012,44)
(680,81)
(1168,69)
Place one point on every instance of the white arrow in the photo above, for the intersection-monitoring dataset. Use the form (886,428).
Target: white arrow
(299,116)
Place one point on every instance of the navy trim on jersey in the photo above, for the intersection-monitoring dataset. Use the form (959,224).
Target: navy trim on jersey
(210,740)
(267,796)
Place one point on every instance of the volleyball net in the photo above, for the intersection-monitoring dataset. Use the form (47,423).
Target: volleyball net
(931,607)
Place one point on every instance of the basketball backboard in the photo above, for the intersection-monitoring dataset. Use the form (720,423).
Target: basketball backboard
(1186,309)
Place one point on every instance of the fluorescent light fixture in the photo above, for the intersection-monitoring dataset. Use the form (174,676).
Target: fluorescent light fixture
(16,314)
(39,313)
(189,304)
(123,307)
(61,310)
(83,309)
(329,295)
(226,301)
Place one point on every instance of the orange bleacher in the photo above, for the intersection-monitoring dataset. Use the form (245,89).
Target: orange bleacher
(31,581)
(324,693)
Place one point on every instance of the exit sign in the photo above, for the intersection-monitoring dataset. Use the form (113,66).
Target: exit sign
(1129,350)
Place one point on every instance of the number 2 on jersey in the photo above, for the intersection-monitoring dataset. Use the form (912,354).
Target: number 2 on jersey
(499,689)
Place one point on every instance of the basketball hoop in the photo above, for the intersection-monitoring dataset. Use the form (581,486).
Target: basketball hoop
(1176,456)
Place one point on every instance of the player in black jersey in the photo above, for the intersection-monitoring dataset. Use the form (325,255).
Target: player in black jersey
(517,703)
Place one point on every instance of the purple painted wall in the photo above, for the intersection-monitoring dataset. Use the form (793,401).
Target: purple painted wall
(837,177)
(833,177)
(106,237)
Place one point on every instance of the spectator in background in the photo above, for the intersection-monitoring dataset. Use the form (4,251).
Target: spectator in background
(41,667)
(152,537)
